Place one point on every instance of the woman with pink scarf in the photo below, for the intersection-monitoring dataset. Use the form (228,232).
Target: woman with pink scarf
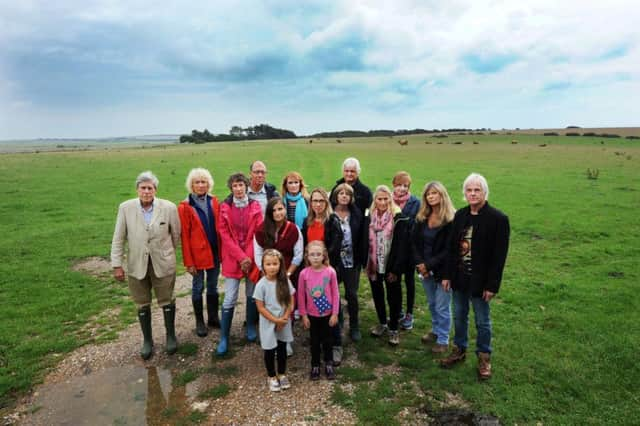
(388,258)
(409,205)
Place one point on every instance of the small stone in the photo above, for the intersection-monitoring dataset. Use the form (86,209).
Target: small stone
(200,406)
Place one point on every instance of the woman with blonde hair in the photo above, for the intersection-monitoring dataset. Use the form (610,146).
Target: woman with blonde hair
(295,197)
(430,238)
(199,217)
(388,257)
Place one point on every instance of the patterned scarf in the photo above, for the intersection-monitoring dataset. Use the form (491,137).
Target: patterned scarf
(401,200)
(241,202)
(382,224)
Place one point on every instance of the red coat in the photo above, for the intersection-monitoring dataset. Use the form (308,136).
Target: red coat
(233,251)
(196,249)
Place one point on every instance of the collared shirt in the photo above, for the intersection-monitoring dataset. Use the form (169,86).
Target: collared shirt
(260,196)
(148,213)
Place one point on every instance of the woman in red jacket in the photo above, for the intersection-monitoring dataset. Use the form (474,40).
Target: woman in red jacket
(240,217)
(199,215)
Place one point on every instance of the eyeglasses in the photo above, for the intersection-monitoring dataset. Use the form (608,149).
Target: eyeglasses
(259,172)
(318,201)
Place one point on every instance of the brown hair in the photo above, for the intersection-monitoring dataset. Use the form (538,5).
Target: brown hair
(283,293)
(311,215)
(400,177)
(342,187)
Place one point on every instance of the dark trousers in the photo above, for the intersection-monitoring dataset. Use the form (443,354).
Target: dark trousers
(321,339)
(270,359)
(394,298)
(410,285)
(351,279)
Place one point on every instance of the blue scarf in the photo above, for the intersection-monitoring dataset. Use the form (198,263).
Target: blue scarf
(301,207)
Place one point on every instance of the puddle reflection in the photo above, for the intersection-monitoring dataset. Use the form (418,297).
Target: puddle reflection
(117,396)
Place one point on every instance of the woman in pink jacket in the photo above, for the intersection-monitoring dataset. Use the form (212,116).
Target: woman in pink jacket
(239,219)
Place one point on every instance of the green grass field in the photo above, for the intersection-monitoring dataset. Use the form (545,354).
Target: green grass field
(566,321)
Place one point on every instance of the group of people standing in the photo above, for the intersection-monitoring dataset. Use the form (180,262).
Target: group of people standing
(293,251)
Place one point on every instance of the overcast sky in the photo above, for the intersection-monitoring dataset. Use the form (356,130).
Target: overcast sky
(126,67)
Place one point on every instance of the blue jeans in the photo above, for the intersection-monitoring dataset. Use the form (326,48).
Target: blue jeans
(231,287)
(482,314)
(197,284)
(440,308)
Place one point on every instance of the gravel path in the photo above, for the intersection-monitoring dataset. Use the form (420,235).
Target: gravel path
(248,402)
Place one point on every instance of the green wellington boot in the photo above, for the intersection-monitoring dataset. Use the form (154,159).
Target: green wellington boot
(144,316)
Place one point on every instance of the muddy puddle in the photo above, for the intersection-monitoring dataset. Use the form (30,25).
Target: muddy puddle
(130,395)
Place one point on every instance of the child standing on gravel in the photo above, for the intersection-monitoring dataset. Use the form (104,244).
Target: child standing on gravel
(274,300)
(318,304)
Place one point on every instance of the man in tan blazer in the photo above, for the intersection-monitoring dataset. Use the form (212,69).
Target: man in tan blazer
(151,228)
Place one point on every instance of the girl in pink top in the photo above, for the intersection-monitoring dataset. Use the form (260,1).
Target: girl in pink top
(319,304)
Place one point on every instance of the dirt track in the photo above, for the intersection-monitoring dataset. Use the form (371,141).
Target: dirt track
(93,367)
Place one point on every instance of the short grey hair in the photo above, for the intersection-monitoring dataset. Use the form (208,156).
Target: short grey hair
(147,176)
(196,173)
(476,178)
(353,162)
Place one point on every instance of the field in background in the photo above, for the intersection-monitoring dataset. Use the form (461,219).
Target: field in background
(566,334)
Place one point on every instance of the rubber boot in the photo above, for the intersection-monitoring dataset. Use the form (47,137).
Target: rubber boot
(144,316)
(169,312)
(225,328)
(201,329)
(252,318)
(212,311)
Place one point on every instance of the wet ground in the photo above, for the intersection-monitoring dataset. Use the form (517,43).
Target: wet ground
(129,395)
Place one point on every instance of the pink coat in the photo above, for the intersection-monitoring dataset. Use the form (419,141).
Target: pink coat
(232,251)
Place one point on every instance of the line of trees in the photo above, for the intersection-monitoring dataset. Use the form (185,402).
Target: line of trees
(237,133)
(382,132)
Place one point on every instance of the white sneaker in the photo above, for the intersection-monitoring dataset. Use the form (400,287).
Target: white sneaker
(289,349)
(274,384)
(284,382)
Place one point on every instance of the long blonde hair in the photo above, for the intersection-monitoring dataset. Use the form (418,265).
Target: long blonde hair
(446,212)
(393,207)
(311,216)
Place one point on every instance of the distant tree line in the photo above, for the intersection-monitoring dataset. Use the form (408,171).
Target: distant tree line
(382,132)
(237,133)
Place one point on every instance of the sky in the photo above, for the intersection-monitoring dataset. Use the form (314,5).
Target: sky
(80,69)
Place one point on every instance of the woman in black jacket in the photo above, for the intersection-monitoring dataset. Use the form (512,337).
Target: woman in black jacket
(388,257)
(430,238)
(353,252)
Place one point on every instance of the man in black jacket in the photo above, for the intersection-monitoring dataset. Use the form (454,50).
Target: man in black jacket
(259,189)
(477,254)
(361,192)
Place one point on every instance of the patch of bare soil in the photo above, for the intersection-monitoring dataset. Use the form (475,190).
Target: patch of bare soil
(248,402)
(94,266)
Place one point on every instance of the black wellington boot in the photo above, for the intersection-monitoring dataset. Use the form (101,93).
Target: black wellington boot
(201,329)
(213,320)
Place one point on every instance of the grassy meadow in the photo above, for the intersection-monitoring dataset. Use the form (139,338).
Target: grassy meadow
(566,322)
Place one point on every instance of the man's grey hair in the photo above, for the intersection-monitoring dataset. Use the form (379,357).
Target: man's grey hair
(476,178)
(147,176)
(351,162)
